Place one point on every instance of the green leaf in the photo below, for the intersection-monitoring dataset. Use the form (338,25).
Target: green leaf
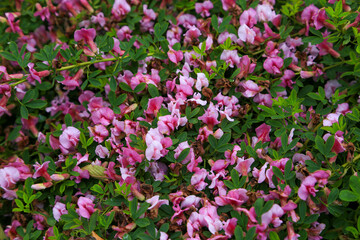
(142,222)
(238,233)
(355,184)
(24,112)
(153,90)
(278,172)
(353,230)
(9,56)
(184,153)
(140,87)
(212,141)
(14,133)
(242,4)
(273,236)
(214,22)
(349,196)
(113,84)
(250,233)
(37,103)
(125,87)
(333,195)
(68,120)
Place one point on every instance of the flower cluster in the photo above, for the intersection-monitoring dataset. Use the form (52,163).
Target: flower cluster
(178,119)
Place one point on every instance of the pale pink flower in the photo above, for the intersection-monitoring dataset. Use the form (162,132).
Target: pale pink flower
(246,34)
(124,33)
(102,151)
(156,202)
(58,210)
(265,12)
(231,57)
(98,132)
(201,81)
(9,176)
(154,106)
(120,9)
(249,88)
(69,139)
(204,8)
(198,179)
(330,88)
(99,18)
(330,119)
(273,216)
(175,56)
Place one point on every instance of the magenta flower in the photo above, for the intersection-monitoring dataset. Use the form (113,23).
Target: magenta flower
(35,75)
(103,116)
(98,132)
(273,65)
(227,4)
(198,179)
(210,116)
(88,35)
(41,170)
(307,188)
(58,210)
(235,198)
(86,207)
(120,9)
(262,132)
(154,106)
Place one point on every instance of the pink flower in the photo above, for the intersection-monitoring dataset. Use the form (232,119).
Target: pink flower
(330,119)
(69,139)
(307,188)
(246,34)
(330,88)
(235,198)
(248,17)
(88,35)
(198,179)
(243,166)
(124,33)
(9,177)
(204,8)
(192,33)
(227,4)
(273,216)
(263,99)
(156,202)
(41,170)
(103,116)
(102,151)
(201,81)
(210,116)
(99,18)
(273,65)
(249,88)
(265,12)
(229,227)
(154,106)
(58,210)
(231,57)
(175,56)
(35,75)
(98,132)
(262,132)
(120,9)
(86,207)
(343,108)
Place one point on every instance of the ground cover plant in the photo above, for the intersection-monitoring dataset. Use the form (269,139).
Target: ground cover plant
(128,119)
